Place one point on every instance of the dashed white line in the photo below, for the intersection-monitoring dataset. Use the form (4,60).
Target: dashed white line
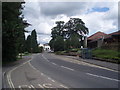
(54,63)
(103,77)
(42,74)
(45,58)
(67,68)
(51,79)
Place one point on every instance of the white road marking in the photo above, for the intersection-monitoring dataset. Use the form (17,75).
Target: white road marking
(51,79)
(33,67)
(67,68)
(103,77)
(63,86)
(47,85)
(9,79)
(24,86)
(32,86)
(45,58)
(42,74)
(86,63)
(9,74)
(54,63)
(40,86)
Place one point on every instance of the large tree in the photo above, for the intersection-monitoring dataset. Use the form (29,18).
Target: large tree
(28,44)
(12,30)
(75,30)
(72,33)
(34,43)
(58,29)
(59,44)
(76,26)
(57,33)
(31,42)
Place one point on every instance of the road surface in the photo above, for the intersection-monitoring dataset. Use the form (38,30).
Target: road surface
(47,70)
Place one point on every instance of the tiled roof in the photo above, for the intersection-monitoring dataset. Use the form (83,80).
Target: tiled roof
(96,36)
(114,33)
(99,35)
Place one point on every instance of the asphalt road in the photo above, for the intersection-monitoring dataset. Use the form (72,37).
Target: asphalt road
(48,71)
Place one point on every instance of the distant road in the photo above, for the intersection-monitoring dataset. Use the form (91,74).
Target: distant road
(50,71)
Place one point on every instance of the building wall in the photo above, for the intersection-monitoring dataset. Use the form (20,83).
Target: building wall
(47,48)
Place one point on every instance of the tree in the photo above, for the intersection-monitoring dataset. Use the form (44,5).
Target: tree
(34,44)
(31,43)
(13,26)
(58,29)
(74,41)
(75,31)
(72,33)
(51,43)
(57,32)
(28,44)
(76,26)
(59,44)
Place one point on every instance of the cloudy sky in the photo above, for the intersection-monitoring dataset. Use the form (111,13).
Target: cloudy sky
(98,16)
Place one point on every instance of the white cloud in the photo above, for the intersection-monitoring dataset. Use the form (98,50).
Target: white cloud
(43,16)
(43,38)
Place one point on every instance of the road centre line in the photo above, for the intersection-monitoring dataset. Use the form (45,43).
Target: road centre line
(42,74)
(51,79)
(103,77)
(67,68)
(54,63)
(45,58)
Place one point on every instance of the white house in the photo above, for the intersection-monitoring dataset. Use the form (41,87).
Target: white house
(46,47)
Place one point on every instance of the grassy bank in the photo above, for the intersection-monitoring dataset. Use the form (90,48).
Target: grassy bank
(100,54)
(110,55)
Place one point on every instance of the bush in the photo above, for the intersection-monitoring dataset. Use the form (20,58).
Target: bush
(74,50)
